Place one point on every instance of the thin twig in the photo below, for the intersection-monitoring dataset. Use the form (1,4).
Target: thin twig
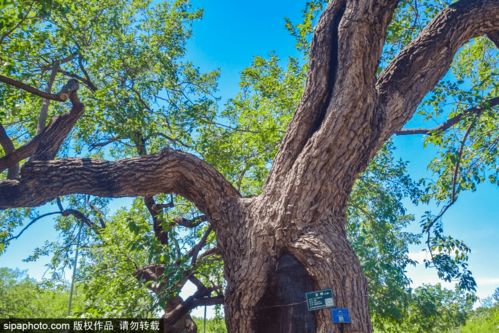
(451,121)
(29,225)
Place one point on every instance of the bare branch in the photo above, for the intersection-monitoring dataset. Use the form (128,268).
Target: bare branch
(42,118)
(87,76)
(458,162)
(195,281)
(104,143)
(193,253)
(210,252)
(61,96)
(59,62)
(99,214)
(150,273)
(164,205)
(89,84)
(451,121)
(54,68)
(29,225)
(82,217)
(200,298)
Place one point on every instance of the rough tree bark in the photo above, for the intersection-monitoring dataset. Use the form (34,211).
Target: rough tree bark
(291,238)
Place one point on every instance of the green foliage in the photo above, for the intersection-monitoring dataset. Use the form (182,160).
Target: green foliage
(131,52)
(107,268)
(433,309)
(215,325)
(485,318)
(482,320)
(23,297)
(108,265)
(377,219)
(258,117)
(303,30)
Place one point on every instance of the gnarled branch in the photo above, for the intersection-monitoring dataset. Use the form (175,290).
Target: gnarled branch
(344,55)
(167,172)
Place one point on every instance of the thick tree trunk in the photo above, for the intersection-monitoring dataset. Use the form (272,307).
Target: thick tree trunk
(274,261)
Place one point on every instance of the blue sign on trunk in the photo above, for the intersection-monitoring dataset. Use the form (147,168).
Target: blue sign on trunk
(340,316)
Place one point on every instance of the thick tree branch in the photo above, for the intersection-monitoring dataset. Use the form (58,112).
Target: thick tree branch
(150,273)
(344,54)
(451,121)
(361,115)
(167,172)
(420,65)
(45,145)
(318,89)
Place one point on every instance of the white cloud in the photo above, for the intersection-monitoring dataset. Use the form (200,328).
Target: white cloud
(487,281)
(419,256)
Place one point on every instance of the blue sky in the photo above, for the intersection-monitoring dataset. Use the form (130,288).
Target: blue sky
(227,38)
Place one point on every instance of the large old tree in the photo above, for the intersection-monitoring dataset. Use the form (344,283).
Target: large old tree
(291,238)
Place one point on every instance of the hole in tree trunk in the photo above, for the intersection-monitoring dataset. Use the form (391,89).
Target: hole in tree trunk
(277,311)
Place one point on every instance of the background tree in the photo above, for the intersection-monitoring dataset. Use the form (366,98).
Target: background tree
(434,309)
(291,235)
(486,317)
(23,297)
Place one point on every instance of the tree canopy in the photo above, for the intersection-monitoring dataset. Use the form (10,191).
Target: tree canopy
(125,61)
